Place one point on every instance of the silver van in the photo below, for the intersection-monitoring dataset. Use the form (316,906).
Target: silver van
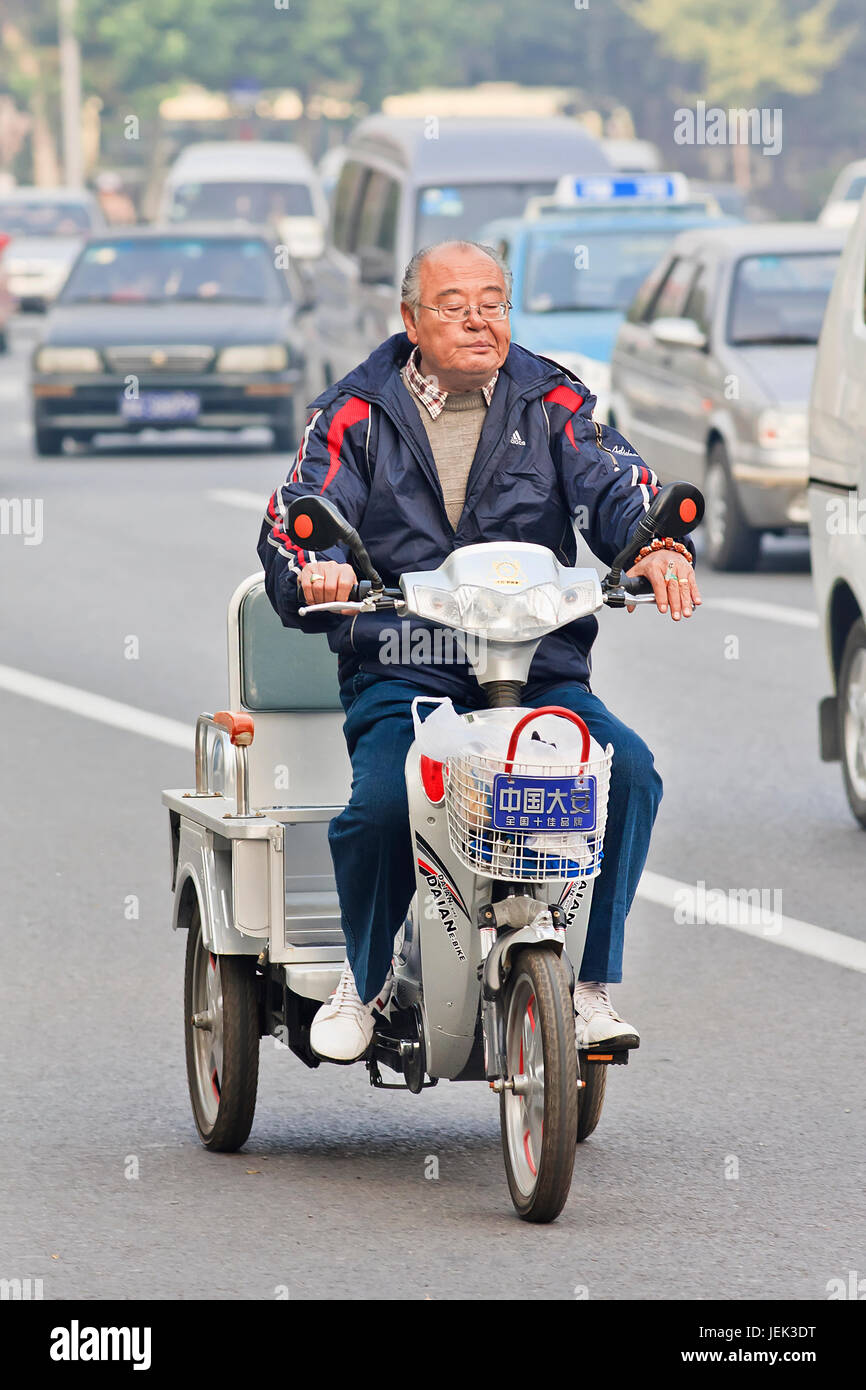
(837,513)
(408,182)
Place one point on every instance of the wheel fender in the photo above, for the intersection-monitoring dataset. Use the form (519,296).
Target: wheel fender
(497,966)
(187,894)
(721,428)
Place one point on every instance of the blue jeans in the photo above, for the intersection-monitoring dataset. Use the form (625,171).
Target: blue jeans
(372,850)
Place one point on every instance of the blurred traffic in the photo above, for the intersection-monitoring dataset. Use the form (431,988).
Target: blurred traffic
(261,276)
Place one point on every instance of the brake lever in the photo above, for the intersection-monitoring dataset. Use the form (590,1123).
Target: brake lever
(619,598)
(371,604)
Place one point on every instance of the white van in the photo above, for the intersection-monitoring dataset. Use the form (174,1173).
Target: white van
(837,512)
(268,182)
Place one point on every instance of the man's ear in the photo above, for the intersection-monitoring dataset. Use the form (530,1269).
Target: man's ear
(409,323)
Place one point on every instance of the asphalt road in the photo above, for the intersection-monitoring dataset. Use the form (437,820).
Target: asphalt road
(729,1160)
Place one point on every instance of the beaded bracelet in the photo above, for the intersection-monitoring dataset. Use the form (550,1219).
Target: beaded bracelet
(667,544)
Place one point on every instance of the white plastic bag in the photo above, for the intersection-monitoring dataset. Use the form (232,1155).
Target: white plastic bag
(444,733)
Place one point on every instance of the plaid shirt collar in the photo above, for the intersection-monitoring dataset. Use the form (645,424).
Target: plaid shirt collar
(428,393)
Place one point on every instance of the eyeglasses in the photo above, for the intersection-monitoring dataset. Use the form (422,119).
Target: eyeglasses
(456,313)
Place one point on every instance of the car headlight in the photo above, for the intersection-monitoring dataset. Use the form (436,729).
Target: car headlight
(252,358)
(783,429)
(68,359)
(505,617)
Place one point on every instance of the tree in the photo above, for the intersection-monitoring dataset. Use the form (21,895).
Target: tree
(747,49)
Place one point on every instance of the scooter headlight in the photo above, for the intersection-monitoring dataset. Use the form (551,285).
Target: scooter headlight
(503,616)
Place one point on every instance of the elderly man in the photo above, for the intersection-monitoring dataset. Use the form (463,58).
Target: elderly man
(446,436)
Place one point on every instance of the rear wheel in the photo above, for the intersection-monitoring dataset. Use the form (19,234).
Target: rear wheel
(590,1097)
(539,1116)
(851,706)
(731,543)
(222,1042)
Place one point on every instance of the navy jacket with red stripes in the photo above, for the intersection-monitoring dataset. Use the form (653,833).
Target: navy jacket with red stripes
(541,462)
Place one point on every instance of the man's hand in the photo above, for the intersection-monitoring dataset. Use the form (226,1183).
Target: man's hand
(324,581)
(673,581)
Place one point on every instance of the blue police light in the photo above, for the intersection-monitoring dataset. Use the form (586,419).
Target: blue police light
(619,188)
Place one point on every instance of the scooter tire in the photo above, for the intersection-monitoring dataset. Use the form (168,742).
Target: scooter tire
(590,1097)
(539,1127)
(223,1079)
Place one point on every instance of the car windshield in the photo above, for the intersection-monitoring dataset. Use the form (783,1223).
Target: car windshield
(253,202)
(157,270)
(457,211)
(42,218)
(569,271)
(780,297)
(854,191)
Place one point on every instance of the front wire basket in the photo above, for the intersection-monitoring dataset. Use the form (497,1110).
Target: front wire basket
(533,853)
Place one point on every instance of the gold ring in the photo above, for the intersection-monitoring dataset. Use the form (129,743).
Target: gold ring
(682,581)
(317,579)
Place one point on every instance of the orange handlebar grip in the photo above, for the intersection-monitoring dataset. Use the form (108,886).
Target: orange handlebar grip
(240,727)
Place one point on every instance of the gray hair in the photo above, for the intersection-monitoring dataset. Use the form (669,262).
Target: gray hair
(410,289)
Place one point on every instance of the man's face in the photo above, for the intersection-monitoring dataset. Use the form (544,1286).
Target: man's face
(462,356)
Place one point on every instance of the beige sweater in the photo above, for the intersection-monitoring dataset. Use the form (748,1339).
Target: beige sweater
(453,440)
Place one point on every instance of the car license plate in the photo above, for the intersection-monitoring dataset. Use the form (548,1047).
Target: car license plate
(161,405)
(544,805)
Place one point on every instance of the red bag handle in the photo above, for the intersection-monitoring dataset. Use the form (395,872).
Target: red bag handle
(535,714)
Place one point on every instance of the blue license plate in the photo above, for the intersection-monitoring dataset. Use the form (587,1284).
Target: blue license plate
(179,406)
(544,805)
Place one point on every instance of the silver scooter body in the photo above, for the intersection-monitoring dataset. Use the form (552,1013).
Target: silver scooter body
(522,592)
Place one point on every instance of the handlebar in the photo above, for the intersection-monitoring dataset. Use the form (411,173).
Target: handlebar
(359,600)
(634,589)
(363,598)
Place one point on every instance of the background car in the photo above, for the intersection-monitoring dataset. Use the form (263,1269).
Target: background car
(711,373)
(269,182)
(577,264)
(843,204)
(46,228)
(8,303)
(165,328)
(837,513)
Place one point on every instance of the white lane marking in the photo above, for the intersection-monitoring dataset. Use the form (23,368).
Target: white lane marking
(655,888)
(238,497)
(831,946)
(98,707)
(772,612)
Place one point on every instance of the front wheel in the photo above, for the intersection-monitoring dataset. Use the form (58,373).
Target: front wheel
(222,1042)
(732,544)
(539,1115)
(851,705)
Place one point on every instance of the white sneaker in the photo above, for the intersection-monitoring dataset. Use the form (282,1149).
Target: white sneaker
(597,1023)
(342,1030)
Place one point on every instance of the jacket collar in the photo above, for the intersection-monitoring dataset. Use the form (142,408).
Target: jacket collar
(377,379)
